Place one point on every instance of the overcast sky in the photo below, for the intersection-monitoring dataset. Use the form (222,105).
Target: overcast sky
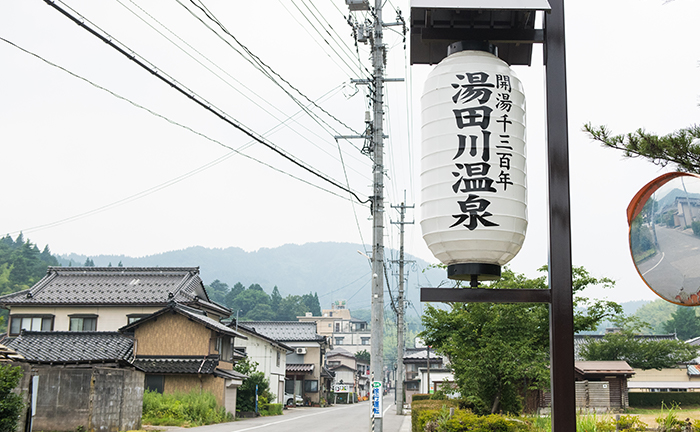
(89,172)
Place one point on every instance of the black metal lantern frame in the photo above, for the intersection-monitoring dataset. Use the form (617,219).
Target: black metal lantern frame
(510,26)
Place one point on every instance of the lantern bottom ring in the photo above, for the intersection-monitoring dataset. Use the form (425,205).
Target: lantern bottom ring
(474,272)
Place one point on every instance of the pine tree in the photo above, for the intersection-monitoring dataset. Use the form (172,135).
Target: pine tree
(684,323)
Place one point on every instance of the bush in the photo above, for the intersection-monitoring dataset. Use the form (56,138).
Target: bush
(10,403)
(270,409)
(421,409)
(696,228)
(657,399)
(440,421)
(420,397)
(182,409)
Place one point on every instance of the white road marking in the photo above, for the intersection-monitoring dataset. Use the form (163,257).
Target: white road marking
(324,411)
(663,254)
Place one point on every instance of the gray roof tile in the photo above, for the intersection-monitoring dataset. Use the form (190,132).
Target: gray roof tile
(287,331)
(178,365)
(73,347)
(115,286)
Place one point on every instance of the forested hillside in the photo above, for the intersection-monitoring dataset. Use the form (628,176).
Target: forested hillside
(254,304)
(333,270)
(22,264)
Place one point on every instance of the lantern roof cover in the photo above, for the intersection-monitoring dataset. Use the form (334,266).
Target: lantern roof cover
(508,24)
(484,4)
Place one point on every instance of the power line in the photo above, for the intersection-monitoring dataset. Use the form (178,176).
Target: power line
(81,21)
(158,187)
(263,64)
(226,73)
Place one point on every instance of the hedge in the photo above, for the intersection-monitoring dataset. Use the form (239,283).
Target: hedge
(655,399)
(420,397)
(421,410)
(462,420)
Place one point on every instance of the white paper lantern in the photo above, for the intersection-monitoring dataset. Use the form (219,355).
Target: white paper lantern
(473,180)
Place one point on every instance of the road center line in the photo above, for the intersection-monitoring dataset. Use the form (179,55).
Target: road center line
(292,419)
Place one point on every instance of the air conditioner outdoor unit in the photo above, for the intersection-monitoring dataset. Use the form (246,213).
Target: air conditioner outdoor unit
(301,350)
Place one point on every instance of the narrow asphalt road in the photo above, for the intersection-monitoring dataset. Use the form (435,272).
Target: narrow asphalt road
(340,418)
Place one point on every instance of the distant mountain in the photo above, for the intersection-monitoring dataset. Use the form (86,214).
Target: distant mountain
(670,198)
(334,270)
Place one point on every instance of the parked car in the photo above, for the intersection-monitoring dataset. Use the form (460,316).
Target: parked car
(292,400)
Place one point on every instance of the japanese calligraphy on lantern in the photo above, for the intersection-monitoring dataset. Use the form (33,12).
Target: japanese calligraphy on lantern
(473,177)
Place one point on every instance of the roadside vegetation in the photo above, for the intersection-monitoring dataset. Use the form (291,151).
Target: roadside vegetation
(182,409)
(446,416)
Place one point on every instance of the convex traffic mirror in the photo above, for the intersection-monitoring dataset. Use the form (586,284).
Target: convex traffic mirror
(664,235)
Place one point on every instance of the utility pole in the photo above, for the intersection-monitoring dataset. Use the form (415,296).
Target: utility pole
(375,136)
(401,309)
(377,348)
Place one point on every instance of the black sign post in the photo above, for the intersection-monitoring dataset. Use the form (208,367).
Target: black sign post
(433,28)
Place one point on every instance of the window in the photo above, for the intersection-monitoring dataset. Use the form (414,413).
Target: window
(31,323)
(339,340)
(134,317)
(337,327)
(278,358)
(83,322)
(365,341)
(310,386)
(154,383)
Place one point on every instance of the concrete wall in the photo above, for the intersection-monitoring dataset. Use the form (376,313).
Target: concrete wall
(98,399)
(109,318)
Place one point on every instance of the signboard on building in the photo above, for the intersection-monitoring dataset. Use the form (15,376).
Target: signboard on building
(377,393)
(342,388)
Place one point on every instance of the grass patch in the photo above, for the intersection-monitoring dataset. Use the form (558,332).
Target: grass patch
(182,409)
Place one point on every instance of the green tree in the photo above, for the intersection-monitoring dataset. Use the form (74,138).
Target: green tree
(312,303)
(275,298)
(363,356)
(232,294)
(217,291)
(680,147)
(498,351)
(10,403)
(638,352)
(261,312)
(89,263)
(249,299)
(291,307)
(684,323)
(245,396)
(656,313)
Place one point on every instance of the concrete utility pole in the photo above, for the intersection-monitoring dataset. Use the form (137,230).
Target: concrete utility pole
(377,349)
(401,307)
(375,149)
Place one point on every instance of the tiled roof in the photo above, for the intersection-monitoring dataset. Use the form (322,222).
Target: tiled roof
(73,347)
(193,314)
(251,331)
(417,355)
(287,331)
(306,368)
(178,365)
(340,352)
(7,354)
(115,286)
(603,367)
(229,374)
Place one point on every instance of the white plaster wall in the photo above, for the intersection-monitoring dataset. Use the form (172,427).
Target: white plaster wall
(109,318)
(265,354)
